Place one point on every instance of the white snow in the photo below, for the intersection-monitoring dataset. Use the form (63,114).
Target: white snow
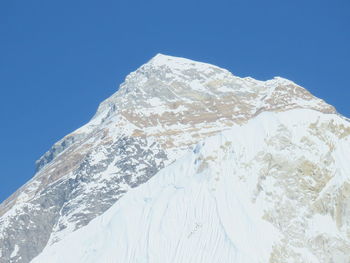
(323,224)
(15,251)
(180,64)
(155,102)
(198,209)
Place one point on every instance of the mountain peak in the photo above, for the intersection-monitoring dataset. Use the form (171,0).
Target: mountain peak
(162,59)
(169,90)
(179,63)
(162,110)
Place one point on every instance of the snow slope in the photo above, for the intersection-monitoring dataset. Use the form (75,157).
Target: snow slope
(249,194)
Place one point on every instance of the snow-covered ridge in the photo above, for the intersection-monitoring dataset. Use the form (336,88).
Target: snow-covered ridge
(179,63)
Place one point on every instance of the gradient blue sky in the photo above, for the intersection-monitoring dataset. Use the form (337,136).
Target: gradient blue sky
(60,59)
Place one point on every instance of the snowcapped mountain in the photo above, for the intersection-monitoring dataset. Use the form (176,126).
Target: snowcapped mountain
(188,163)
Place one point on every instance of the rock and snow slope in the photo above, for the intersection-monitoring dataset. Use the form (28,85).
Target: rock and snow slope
(273,190)
(274,164)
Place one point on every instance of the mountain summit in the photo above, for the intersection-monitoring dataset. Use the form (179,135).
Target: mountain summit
(189,163)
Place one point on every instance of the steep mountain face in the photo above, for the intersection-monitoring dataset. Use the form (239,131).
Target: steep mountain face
(242,171)
(275,189)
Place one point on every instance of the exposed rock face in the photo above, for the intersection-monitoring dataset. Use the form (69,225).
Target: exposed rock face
(160,111)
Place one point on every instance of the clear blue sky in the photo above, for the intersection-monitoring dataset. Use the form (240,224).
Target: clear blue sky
(59,59)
